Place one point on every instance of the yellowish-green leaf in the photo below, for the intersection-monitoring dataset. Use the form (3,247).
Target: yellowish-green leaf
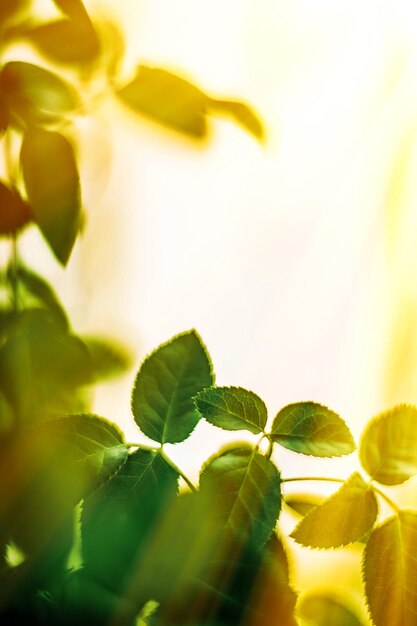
(169,378)
(389,571)
(66,41)
(345,517)
(245,488)
(388,447)
(303,503)
(325,609)
(313,429)
(241,113)
(167,99)
(108,358)
(36,95)
(53,187)
(232,408)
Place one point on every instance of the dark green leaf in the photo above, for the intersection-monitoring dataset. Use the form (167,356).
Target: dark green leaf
(120,518)
(241,113)
(108,358)
(313,429)
(53,187)
(14,211)
(66,41)
(303,503)
(41,291)
(345,517)
(165,385)
(388,447)
(167,99)
(389,571)
(323,609)
(245,490)
(232,408)
(36,95)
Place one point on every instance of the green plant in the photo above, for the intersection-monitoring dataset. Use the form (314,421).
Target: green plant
(96,530)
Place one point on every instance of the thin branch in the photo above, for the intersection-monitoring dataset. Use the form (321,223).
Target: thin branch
(177,469)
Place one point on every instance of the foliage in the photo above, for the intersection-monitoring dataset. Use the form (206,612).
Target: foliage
(110,532)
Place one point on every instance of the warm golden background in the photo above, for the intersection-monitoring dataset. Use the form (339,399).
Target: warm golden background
(296,261)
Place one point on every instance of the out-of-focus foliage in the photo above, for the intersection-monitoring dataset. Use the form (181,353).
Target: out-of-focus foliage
(323,609)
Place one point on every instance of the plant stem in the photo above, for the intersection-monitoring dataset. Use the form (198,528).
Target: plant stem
(317,478)
(177,469)
(268,453)
(388,500)
(142,447)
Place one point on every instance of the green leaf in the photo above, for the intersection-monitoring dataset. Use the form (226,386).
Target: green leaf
(108,358)
(90,445)
(324,609)
(345,517)
(42,292)
(36,95)
(165,385)
(389,571)
(388,447)
(232,408)
(119,519)
(241,113)
(15,213)
(167,99)
(53,187)
(303,503)
(66,41)
(313,429)
(245,491)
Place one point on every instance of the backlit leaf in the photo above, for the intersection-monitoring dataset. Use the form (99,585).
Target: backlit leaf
(241,113)
(167,381)
(119,519)
(303,503)
(4,115)
(246,493)
(232,408)
(37,288)
(74,9)
(108,358)
(66,41)
(167,99)
(14,211)
(313,429)
(388,447)
(53,187)
(323,609)
(11,8)
(92,446)
(34,94)
(345,517)
(389,571)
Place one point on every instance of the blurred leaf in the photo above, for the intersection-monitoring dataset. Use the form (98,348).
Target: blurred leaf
(41,367)
(42,291)
(232,408)
(74,9)
(303,503)
(165,385)
(245,490)
(90,445)
(388,447)
(167,99)
(66,41)
(119,519)
(323,609)
(241,113)
(345,517)
(36,95)
(108,358)
(4,115)
(15,213)
(10,9)
(313,429)
(389,571)
(53,187)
